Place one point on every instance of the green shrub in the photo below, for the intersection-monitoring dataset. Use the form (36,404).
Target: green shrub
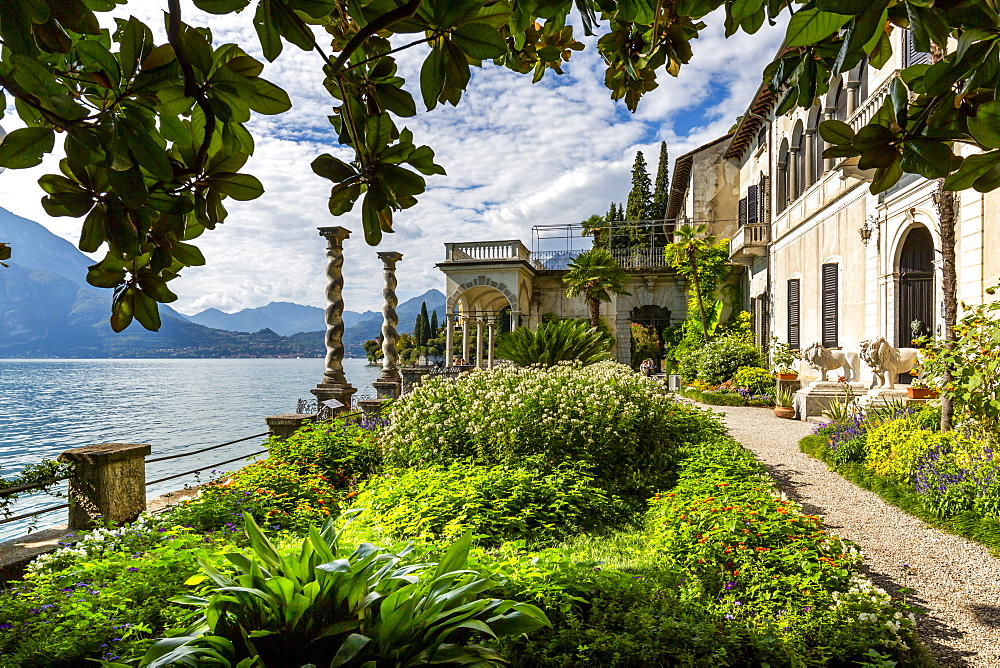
(723,357)
(493,502)
(894,447)
(713,398)
(345,453)
(756,380)
(104,596)
(620,426)
(554,342)
(323,605)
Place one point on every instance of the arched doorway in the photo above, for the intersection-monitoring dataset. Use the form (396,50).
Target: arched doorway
(656,318)
(915,301)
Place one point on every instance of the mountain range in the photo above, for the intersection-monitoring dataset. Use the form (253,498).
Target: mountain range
(48,310)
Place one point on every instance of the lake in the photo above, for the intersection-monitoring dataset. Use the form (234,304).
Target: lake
(175,405)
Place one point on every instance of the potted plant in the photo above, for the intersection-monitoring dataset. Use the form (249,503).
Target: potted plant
(783,400)
(782,359)
(919,389)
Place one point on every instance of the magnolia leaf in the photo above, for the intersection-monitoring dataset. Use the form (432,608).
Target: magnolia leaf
(808,26)
(886,177)
(972,168)
(221,6)
(480,41)
(268,98)
(332,168)
(25,147)
(836,132)
(240,187)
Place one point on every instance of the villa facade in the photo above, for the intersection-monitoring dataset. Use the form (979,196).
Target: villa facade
(820,258)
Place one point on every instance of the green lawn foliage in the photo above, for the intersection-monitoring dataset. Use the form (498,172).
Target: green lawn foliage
(719,360)
(548,552)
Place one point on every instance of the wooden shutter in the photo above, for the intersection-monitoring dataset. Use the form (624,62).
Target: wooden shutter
(829,303)
(793,313)
(743,212)
(752,209)
(764,201)
(910,54)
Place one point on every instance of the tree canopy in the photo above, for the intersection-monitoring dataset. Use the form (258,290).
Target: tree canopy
(155,136)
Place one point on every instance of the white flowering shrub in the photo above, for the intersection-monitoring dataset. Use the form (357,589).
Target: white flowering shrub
(603,416)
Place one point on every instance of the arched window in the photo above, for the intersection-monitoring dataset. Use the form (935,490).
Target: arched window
(916,287)
(781,184)
(801,169)
(863,81)
(840,103)
(818,146)
(797,168)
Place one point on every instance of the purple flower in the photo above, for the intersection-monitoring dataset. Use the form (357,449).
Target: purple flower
(161,530)
(730,585)
(737,603)
(132,569)
(730,617)
(4,627)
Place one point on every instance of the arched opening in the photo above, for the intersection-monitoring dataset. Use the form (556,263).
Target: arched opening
(915,300)
(781,196)
(655,319)
(840,112)
(817,146)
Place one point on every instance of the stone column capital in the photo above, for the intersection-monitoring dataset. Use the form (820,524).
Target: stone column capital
(390,258)
(335,236)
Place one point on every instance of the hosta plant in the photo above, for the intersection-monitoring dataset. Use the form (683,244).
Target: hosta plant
(554,342)
(326,607)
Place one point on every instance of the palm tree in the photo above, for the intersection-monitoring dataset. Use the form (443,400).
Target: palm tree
(596,275)
(688,248)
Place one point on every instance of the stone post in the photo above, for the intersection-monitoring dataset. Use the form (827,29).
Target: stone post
(449,338)
(466,339)
(109,482)
(489,356)
(479,344)
(334,384)
(795,188)
(388,384)
(515,317)
(283,426)
(852,96)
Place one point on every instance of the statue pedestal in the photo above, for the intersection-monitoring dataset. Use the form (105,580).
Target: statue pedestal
(883,397)
(342,392)
(817,397)
(386,389)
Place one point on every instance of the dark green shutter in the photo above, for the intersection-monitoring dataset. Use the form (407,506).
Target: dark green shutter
(829,303)
(793,313)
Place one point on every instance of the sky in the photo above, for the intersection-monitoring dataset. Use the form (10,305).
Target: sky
(517,155)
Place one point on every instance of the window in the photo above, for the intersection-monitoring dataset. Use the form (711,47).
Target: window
(829,304)
(743,212)
(910,54)
(800,167)
(840,103)
(793,313)
(764,201)
(781,196)
(752,207)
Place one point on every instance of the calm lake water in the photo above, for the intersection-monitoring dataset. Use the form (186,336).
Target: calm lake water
(175,405)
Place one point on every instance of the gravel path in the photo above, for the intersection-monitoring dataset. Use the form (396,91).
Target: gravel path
(956,581)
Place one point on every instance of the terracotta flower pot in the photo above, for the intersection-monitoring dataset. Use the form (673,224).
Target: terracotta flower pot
(921,393)
(787,376)
(784,412)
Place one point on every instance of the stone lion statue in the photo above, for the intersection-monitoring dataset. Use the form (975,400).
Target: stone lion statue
(887,362)
(823,360)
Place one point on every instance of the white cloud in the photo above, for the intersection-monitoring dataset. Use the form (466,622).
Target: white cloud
(517,155)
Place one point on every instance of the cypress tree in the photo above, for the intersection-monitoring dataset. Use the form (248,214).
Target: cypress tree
(423,332)
(434,323)
(661,194)
(661,187)
(641,196)
(612,214)
(418,333)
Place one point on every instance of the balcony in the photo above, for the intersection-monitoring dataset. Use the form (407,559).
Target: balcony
(749,243)
(635,259)
(485,251)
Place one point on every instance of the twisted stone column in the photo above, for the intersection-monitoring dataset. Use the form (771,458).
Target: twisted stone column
(334,384)
(390,356)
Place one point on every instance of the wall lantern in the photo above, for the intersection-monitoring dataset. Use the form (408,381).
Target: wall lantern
(871,224)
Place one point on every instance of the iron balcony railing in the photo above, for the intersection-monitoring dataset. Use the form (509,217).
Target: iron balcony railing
(628,258)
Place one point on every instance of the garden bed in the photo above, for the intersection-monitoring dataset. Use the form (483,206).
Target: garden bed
(946,480)
(713,398)
(641,535)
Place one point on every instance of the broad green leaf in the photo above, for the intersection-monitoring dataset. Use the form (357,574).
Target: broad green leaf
(187,254)
(972,168)
(378,131)
(985,127)
(221,6)
(159,57)
(92,235)
(93,53)
(989,181)
(122,309)
(25,147)
(240,187)
(146,311)
(853,7)
(267,31)
(245,66)
(76,16)
(456,556)
(808,26)
(195,579)
(68,204)
(268,98)
(886,177)
(836,132)
(931,159)
(880,51)
(742,9)
(871,136)
(317,9)
(370,219)
(432,74)
(332,168)
(480,41)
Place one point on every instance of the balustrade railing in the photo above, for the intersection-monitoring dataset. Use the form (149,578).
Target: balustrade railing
(486,250)
(749,236)
(868,108)
(628,258)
